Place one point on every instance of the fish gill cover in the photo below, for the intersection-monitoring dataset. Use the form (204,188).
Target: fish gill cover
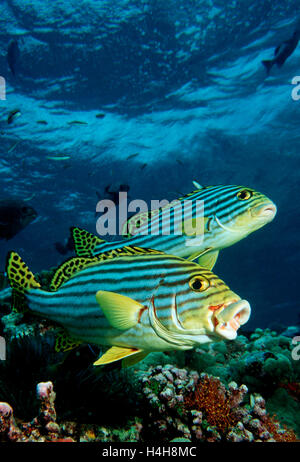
(147,97)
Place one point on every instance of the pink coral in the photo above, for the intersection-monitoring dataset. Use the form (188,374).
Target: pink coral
(41,428)
(8,428)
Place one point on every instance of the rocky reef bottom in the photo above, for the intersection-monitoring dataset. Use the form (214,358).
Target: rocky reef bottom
(247,389)
(180,405)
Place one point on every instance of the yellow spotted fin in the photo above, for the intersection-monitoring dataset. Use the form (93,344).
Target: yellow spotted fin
(64,342)
(21,281)
(85,242)
(121,312)
(69,268)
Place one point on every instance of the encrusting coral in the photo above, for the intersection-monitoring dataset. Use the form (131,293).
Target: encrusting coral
(199,407)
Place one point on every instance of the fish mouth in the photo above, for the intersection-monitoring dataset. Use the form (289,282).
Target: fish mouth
(228,318)
(265,212)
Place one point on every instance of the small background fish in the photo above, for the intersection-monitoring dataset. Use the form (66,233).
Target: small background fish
(13,54)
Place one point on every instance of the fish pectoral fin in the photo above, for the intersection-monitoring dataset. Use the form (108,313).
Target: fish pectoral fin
(64,342)
(199,254)
(208,260)
(85,242)
(115,354)
(194,226)
(121,312)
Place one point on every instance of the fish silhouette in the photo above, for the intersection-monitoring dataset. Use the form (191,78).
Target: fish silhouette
(283,51)
(13,54)
(15,215)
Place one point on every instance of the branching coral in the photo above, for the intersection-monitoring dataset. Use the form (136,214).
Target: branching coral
(184,404)
(212,399)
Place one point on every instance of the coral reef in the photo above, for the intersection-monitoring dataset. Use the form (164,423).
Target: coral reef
(45,428)
(41,428)
(199,407)
(262,362)
(185,400)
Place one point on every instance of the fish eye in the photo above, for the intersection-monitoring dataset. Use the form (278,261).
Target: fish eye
(244,194)
(199,283)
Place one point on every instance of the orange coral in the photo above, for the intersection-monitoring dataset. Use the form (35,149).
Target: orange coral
(273,427)
(210,398)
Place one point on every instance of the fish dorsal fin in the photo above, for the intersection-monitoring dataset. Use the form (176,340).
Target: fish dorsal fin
(75,264)
(68,269)
(21,281)
(193,193)
(208,260)
(115,354)
(121,312)
(197,185)
(85,242)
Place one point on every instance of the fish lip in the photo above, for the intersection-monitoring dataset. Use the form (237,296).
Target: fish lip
(228,319)
(266,211)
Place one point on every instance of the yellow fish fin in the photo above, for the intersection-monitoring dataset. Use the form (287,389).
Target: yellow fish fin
(208,260)
(115,354)
(21,281)
(70,267)
(85,242)
(134,359)
(199,254)
(64,342)
(121,312)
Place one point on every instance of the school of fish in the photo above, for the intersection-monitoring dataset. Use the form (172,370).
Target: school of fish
(146,293)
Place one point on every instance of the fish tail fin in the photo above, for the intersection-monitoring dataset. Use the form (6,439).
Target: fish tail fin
(21,281)
(268,65)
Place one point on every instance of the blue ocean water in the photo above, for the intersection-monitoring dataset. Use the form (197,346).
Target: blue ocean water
(181,86)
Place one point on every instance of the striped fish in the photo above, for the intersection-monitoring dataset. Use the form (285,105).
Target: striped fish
(136,301)
(230,214)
